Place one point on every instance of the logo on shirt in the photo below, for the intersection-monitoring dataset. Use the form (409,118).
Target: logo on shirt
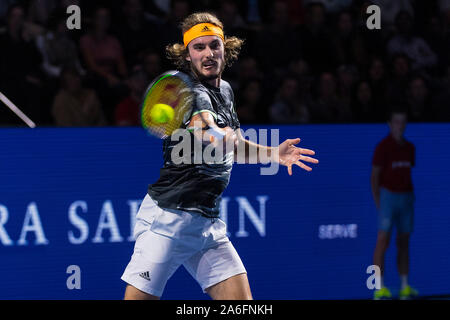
(401,164)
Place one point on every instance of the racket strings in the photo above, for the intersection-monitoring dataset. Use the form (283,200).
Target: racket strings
(173,92)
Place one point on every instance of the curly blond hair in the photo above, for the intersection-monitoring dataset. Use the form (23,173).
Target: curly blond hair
(177,52)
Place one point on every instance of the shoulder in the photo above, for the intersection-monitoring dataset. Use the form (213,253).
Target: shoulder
(410,144)
(383,144)
(225,85)
(226,88)
(384,141)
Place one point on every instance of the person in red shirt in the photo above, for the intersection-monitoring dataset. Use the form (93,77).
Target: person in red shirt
(392,191)
(128,111)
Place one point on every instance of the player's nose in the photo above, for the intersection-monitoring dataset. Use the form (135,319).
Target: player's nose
(209,52)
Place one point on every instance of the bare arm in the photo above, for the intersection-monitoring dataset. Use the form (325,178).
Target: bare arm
(246,151)
(206,130)
(375,184)
(249,152)
(286,154)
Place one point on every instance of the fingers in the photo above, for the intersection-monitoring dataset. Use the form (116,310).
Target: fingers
(308,159)
(294,141)
(303,166)
(305,151)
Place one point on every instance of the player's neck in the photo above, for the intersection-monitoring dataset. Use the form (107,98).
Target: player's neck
(398,139)
(214,82)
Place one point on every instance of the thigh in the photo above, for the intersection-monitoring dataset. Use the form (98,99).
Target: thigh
(233,288)
(153,262)
(158,250)
(386,211)
(132,293)
(216,265)
(405,216)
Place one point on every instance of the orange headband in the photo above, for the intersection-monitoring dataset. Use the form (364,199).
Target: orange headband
(200,30)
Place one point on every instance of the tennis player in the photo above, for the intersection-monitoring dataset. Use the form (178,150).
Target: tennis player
(178,221)
(392,190)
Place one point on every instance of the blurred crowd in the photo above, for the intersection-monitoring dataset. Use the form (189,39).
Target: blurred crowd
(302,61)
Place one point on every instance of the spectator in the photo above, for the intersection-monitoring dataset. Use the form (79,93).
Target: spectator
(57,48)
(287,107)
(21,78)
(391,9)
(317,49)
(347,76)
(398,82)
(170,32)
(327,107)
(75,105)
(231,18)
(4,6)
(332,6)
(347,42)
(300,70)
(136,33)
(250,105)
(435,37)
(39,11)
(249,69)
(372,41)
(442,97)
(104,59)
(414,47)
(152,64)
(363,106)
(128,110)
(301,39)
(378,84)
(278,37)
(420,107)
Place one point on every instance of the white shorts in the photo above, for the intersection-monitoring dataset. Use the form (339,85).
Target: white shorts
(166,239)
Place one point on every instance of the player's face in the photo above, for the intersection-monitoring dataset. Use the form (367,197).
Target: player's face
(398,124)
(207,57)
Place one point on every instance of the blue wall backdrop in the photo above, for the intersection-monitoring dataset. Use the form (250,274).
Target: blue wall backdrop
(68,197)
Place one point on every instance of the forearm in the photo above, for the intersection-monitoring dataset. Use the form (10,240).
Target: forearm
(249,152)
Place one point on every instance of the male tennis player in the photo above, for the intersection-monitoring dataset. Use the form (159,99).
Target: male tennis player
(178,221)
(392,190)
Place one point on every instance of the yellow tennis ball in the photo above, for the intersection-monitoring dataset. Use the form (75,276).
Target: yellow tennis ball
(162,113)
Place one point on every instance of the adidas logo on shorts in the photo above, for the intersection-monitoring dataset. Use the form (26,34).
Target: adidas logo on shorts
(145,275)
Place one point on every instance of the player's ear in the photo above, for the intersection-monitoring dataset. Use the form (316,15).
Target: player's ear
(187,56)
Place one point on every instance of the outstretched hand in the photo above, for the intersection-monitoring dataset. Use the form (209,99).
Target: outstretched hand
(289,154)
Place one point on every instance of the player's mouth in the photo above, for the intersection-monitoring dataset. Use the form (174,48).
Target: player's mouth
(208,65)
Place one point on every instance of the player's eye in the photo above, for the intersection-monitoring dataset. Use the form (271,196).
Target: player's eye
(199,47)
(214,45)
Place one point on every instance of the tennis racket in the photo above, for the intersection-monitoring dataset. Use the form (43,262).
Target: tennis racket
(167,103)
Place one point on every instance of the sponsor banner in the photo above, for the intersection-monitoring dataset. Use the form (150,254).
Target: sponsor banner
(68,200)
